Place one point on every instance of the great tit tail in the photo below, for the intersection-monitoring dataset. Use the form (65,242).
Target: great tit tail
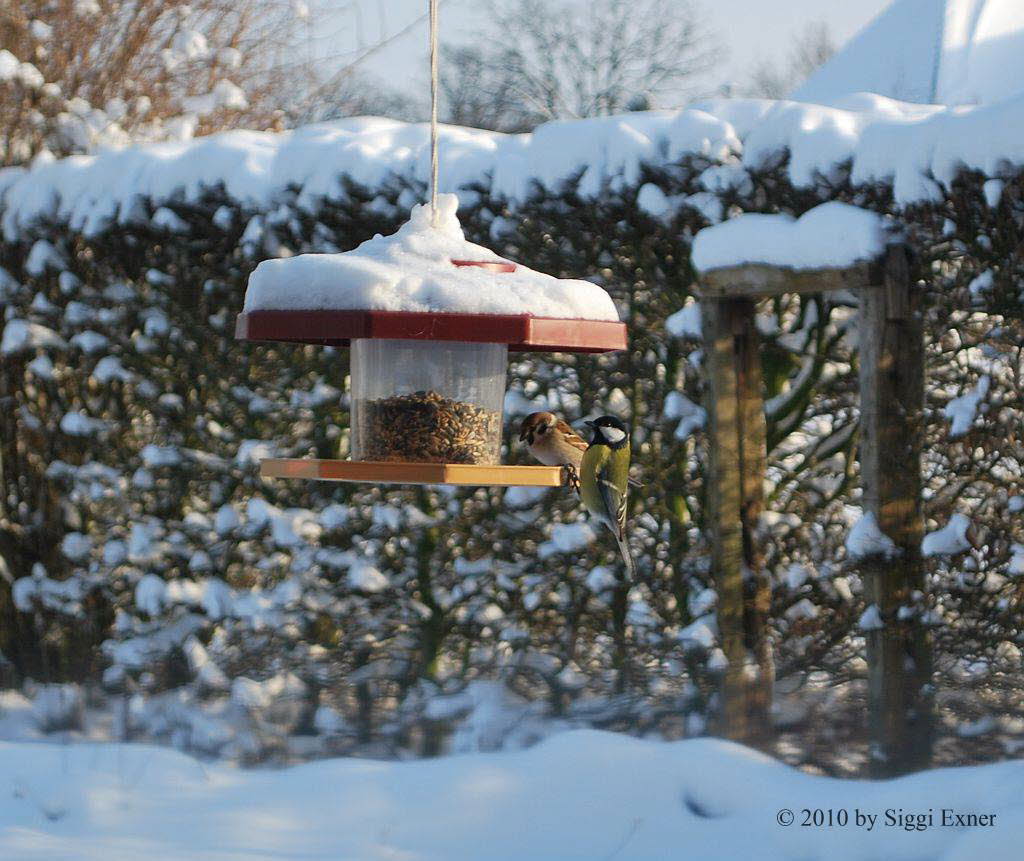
(627,555)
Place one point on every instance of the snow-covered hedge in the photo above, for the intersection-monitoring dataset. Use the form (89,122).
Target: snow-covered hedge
(140,539)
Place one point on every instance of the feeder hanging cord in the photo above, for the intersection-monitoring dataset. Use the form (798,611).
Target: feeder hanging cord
(433,113)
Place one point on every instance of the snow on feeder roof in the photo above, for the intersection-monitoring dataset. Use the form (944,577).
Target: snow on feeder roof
(430,318)
(426,282)
(412,270)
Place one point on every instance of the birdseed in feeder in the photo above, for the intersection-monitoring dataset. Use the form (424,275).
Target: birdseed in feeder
(426,427)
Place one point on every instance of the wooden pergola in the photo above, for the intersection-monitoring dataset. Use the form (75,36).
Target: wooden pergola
(891,402)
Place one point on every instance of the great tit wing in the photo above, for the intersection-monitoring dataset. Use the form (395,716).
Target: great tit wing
(612,483)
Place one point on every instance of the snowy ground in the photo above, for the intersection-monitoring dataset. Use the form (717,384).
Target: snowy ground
(580,795)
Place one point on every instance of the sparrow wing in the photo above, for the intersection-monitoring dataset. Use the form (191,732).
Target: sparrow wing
(570,436)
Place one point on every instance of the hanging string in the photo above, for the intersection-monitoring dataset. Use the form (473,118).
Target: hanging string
(433,113)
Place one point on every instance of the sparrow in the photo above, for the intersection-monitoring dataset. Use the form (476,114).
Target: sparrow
(604,480)
(551,441)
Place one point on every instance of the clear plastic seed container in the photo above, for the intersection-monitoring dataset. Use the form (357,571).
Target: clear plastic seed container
(427,401)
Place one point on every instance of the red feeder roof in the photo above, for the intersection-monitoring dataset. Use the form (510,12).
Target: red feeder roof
(520,331)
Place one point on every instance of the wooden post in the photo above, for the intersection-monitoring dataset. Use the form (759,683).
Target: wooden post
(892,400)
(735,500)
(753,436)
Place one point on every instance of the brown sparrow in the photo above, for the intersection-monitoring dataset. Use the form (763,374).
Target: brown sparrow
(551,441)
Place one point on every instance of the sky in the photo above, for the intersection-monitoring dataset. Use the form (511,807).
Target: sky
(751,32)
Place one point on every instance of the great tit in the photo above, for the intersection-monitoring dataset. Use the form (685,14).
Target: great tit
(604,480)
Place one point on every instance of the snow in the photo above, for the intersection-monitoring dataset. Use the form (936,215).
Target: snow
(38,590)
(653,200)
(883,140)
(328,721)
(993,191)
(691,416)
(941,51)
(801,610)
(567,538)
(225,94)
(8,65)
(11,69)
(600,579)
(524,497)
(110,368)
(76,546)
(866,539)
(949,540)
(227,520)
(78,423)
(830,235)
(102,801)
(982,283)
(90,342)
(685,323)
(168,219)
(150,593)
(92,192)
(21,336)
(717,661)
(155,456)
(58,707)
(366,577)
(40,30)
(700,633)
(252,451)
(41,257)
(963,410)
(871,619)
(412,270)
(252,694)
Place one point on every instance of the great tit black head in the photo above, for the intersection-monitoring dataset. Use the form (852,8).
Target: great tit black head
(610,431)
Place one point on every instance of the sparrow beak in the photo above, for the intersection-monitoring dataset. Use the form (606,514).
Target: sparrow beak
(523,434)
(589,424)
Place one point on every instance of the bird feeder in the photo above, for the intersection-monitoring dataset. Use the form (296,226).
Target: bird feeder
(431,321)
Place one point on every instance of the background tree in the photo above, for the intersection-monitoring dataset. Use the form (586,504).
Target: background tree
(543,61)
(352,94)
(812,47)
(480,93)
(76,75)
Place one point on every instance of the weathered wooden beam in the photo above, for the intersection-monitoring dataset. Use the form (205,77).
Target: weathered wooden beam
(757,280)
(892,401)
(735,499)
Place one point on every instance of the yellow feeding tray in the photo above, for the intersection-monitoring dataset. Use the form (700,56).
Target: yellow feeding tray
(391,472)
